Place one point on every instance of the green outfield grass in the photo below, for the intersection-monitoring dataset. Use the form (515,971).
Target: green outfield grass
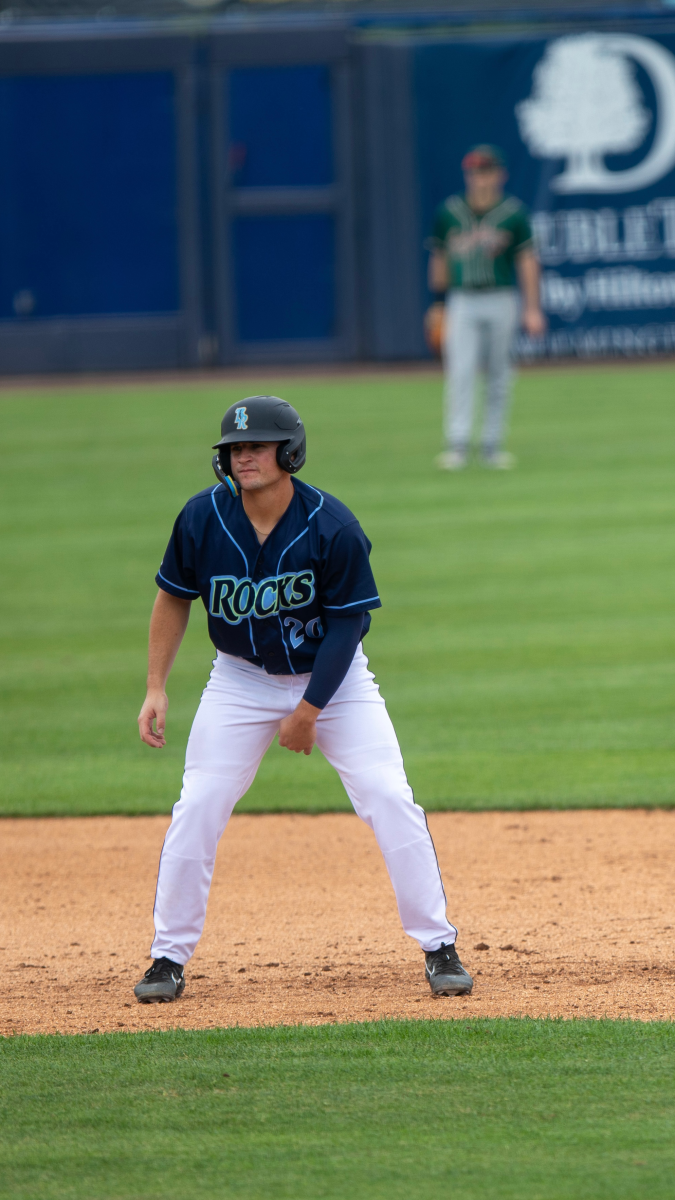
(526,647)
(485,1110)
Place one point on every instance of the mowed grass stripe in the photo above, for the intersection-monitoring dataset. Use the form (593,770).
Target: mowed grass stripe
(489,1110)
(526,646)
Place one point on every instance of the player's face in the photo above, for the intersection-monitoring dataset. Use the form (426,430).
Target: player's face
(254,464)
(484,187)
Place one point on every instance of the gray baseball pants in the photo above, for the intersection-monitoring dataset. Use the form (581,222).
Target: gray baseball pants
(480,333)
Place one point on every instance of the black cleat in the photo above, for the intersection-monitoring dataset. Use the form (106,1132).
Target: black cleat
(163,982)
(445,972)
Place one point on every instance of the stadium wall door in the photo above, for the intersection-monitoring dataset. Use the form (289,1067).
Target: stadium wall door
(281,197)
(173,199)
(99,252)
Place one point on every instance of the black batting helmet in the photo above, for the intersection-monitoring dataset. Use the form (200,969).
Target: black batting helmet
(262,419)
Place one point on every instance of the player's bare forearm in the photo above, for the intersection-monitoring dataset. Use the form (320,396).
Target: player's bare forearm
(168,623)
(534,321)
(438,272)
(298,732)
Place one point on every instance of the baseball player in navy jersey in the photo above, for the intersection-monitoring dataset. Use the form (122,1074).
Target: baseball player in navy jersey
(282,569)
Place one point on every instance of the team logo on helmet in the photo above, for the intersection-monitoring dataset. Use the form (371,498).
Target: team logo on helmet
(241,417)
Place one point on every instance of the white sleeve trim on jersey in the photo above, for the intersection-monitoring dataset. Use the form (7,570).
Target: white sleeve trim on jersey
(177,585)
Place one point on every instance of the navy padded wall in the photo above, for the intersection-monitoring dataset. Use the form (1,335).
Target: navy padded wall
(284,269)
(88,221)
(280,126)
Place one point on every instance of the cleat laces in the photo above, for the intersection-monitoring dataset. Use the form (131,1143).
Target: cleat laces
(444,961)
(161,969)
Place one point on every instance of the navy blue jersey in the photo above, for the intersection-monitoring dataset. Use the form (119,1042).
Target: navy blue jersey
(266,603)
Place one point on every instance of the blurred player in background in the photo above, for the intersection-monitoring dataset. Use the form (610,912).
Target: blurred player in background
(482,253)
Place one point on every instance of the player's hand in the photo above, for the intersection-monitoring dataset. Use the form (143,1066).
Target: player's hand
(435,328)
(298,732)
(154,709)
(534,322)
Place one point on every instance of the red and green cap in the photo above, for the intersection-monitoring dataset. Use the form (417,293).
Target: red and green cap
(483,158)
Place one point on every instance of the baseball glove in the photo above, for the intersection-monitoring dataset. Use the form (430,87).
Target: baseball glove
(434,328)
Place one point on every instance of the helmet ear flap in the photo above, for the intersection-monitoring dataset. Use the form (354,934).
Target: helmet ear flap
(221,463)
(225,460)
(291,455)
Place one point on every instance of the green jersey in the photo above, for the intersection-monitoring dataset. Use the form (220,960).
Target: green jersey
(481,248)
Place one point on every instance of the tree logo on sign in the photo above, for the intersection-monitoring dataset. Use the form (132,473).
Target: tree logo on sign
(586,103)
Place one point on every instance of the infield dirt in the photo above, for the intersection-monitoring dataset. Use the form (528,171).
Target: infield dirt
(573,913)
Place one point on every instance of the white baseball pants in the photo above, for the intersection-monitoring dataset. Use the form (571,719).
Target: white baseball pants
(236,722)
(480,329)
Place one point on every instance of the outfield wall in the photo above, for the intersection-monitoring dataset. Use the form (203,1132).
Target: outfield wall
(226,191)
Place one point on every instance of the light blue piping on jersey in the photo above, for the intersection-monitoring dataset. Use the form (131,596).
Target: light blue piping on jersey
(297,539)
(177,585)
(352,603)
(213,501)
